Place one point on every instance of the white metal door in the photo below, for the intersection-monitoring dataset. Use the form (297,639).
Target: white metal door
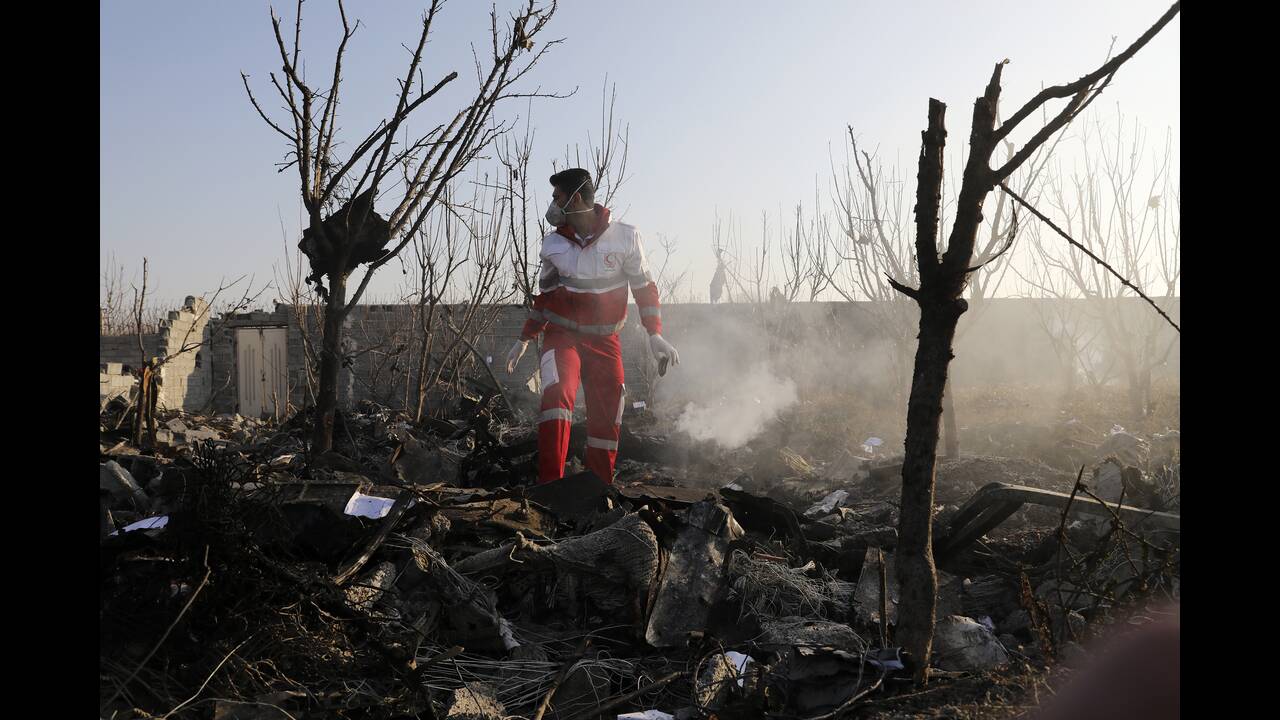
(261,359)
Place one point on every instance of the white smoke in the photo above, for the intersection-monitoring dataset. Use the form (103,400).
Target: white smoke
(742,412)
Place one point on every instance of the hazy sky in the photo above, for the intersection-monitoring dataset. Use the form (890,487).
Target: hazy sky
(733,106)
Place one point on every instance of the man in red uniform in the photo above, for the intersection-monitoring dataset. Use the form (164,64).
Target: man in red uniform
(587,265)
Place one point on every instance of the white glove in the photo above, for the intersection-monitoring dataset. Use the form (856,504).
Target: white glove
(661,348)
(517,352)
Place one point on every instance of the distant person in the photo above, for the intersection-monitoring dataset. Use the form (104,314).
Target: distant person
(587,265)
(717,280)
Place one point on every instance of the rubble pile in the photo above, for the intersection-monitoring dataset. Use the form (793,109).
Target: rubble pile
(415,570)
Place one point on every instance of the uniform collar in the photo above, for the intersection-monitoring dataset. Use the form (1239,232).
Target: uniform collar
(602,224)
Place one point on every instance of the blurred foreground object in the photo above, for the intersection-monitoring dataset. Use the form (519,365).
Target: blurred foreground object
(1137,677)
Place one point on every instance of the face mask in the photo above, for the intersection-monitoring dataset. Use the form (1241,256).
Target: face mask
(557,216)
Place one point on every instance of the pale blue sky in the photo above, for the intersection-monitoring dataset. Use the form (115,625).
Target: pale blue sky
(732,105)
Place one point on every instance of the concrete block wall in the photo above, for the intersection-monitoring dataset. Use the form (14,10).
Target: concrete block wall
(184,381)
(123,349)
(114,381)
(185,378)
(820,344)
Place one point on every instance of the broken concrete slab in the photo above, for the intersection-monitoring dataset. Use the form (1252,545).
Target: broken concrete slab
(866,595)
(827,505)
(963,644)
(120,483)
(693,579)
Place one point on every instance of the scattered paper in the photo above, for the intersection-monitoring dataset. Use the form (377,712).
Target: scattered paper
(647,715)
(283,460)
(639,404)
(740,662)
(870,444)
(885,659)
(151,523)
(368,506)
(828,504)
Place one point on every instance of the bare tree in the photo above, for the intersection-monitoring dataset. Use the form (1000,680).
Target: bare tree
(346,189)
(1127,215)
(943,275)
(1062,316)
(665,278)
(873,245)
(608,157)
(525,234)
(806,254)
(436,251)
(992,258)
(307,311)
(116,312)
(478,241)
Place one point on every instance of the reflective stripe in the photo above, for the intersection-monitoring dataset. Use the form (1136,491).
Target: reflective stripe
(589,329)
(581,291)
(650,312)
(559,320)
(602,329)
(547,369)
(602,443)
(557,414)
(593,283)
(622,402)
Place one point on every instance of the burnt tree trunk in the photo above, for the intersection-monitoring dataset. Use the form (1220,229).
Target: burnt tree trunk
(942,282)
(917,574)
(939,296)
(335,314)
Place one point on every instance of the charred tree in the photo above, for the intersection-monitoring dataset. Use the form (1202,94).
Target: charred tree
(337,241)
(940,298)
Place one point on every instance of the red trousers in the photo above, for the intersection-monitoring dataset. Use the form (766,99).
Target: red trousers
(566,355)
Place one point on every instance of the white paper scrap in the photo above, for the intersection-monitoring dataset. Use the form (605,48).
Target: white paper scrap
(740,662)
(151,523)
(368,506)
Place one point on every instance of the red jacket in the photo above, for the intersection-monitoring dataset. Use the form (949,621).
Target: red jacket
(583,282)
